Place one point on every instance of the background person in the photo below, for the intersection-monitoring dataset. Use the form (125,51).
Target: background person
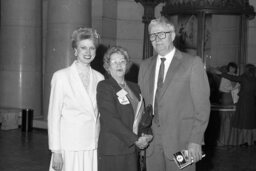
(178,88)
(244,119)
(73,119)
(120,104)
(227,87)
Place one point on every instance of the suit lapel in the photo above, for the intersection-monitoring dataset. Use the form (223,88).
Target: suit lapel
(134,90)
(114,84)
(152,69)
(176,61)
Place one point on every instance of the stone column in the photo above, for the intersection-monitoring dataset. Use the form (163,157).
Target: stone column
(149,14)
(20,55)
(63,17)
(242,51)
(201,37)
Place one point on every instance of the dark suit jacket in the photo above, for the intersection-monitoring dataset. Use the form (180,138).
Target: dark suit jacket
(184,105)
(116,119)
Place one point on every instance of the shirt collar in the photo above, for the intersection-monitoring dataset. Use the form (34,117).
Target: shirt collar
(168,56)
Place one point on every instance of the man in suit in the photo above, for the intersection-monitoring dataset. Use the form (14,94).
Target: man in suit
(178,88)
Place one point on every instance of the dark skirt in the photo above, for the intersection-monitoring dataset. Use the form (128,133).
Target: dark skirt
(226,99)
(127,162)
(245,115)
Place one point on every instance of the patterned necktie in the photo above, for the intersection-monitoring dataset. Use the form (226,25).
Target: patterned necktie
(160,83)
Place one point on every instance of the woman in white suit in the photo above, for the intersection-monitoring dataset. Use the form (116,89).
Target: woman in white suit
(73,118)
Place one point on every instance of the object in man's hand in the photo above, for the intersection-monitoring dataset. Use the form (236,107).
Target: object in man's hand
(182,160)
(146,120)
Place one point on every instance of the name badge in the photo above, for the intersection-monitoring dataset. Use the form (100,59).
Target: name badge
(122,97)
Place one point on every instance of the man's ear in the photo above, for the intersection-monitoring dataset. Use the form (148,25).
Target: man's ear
(173,35)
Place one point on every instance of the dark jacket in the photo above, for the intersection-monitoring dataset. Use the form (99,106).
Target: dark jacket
(116,119)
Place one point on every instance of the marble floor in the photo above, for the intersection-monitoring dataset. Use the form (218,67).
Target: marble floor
(29,152)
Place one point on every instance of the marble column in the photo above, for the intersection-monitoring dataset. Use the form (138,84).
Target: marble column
(20,55)
(63,17)
(149,14)
(242,51)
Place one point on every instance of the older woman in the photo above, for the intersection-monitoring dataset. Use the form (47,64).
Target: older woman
(120,105)
(73,123)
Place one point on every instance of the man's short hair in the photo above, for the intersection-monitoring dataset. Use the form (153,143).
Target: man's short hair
(161,21)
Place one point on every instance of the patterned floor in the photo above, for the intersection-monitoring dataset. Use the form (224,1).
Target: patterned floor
(29,152)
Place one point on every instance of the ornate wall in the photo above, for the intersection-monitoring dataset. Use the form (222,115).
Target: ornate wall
(120,23)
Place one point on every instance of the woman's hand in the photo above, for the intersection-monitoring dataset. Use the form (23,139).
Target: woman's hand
(57,161)
(143,141)
(148,137)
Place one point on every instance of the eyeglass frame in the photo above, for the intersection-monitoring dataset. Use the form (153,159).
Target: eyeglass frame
(115,63)
(157,35)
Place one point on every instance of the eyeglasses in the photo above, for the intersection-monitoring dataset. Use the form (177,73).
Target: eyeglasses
(115,63)
(160,35)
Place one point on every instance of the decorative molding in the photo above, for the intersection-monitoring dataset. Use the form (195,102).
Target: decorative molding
(209,6)
(149,2)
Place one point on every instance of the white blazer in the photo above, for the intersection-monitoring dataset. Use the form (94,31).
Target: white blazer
(73,118)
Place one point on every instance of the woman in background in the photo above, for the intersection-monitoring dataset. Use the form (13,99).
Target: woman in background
(120,106)
(244,120)
(226,86)
(73,119)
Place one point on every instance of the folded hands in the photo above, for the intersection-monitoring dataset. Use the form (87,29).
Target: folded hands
(143,141)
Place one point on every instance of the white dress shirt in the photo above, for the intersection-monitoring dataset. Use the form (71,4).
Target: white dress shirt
(167,63)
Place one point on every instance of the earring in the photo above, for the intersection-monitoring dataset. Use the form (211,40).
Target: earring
(75,53)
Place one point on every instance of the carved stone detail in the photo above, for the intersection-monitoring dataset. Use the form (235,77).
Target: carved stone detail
(209,6)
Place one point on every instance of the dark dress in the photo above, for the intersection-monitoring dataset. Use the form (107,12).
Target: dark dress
(245,115)
(116,149)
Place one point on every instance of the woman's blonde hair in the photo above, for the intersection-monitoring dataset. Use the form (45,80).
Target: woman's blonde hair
(84,33)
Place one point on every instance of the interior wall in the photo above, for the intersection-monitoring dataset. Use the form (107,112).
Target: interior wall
(120,23)
(130,28)
(97,15)
(224,40)
(109,22)
(251,45)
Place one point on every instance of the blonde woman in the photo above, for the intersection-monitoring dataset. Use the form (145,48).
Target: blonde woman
(73,119)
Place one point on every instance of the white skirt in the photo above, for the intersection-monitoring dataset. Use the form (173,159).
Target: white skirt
(78,161)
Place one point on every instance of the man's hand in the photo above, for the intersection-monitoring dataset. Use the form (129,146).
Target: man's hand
(194,152)
(57,161)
